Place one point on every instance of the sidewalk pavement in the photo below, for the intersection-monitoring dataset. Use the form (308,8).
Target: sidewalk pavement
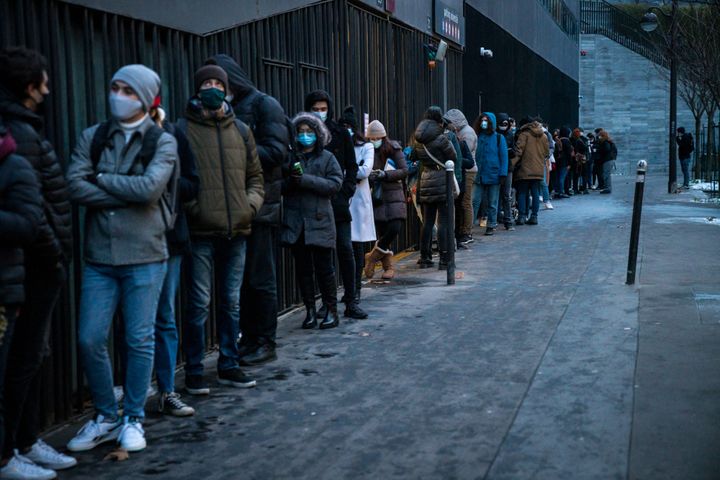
(540,363)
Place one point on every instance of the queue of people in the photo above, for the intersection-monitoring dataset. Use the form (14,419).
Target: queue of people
(205,191)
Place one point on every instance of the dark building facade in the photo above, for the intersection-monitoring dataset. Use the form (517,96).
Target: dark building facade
(535,65)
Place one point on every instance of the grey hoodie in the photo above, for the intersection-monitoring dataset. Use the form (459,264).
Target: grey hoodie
(464,132)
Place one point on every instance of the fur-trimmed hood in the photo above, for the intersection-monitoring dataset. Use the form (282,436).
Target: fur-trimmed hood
(318,126)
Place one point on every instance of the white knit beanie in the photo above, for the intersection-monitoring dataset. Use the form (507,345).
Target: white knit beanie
(375,129)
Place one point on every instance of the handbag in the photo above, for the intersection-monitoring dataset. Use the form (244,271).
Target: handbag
(456,187)
(377,194)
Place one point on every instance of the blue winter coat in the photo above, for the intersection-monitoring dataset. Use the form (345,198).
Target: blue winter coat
(492,161)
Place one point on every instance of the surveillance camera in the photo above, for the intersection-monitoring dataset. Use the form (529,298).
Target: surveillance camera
(441,51)
(485,52)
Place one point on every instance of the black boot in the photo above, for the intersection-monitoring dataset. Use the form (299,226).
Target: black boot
(331,319)
(322,312)
(310,319)
(353,310)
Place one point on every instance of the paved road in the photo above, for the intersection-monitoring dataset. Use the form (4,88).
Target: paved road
(540,363)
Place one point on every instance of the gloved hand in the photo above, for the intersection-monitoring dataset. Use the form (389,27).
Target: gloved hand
(381,174)
(295,179)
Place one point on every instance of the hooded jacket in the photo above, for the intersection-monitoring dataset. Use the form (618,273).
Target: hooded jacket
(231,183)
(491,155)
(509,139)
(531,150)
(266,118)
(341,146)
(20,214)
(393,205)
(307,205)
(54,239)
(464,132)
(430,138)
(564,158)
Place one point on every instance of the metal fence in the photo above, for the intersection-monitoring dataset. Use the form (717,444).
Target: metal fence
(564,17)
(707,156)
(366,59)
(600,17)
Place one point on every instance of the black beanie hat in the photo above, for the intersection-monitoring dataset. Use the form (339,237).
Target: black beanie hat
(210,71)
(349,117)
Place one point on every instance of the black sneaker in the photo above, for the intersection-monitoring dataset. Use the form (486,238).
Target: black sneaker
(171,404)
(489,231)
(235,378)
(520,221)
(606,191)
(196,385)
(532,220)
(322,312)
(425,263)
(262,354)
(509,227)
(353,310)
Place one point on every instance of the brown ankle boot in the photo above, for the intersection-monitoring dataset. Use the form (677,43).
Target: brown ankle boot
(388,266)
(371,259)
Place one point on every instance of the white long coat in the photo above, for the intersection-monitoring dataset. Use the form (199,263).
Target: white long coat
(362,228)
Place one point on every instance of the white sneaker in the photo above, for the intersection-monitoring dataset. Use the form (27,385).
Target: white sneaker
(93,433)
(46,456)
(22,468)
(548,206)
(132,435)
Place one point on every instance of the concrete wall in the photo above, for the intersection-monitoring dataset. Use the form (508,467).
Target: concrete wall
(628,95)
(533,26)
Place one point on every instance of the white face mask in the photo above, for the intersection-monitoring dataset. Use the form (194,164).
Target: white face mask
(484,124)
(350,131)
(321,115)
(502,128)
(376,143)
(124,108)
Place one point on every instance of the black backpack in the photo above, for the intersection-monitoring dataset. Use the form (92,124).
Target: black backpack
(288,122)
(101,141)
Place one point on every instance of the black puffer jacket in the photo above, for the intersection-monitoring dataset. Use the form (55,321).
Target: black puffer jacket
(341,146)
(430,134)
(264,115)
(55,232)
(178,238)
(20,215)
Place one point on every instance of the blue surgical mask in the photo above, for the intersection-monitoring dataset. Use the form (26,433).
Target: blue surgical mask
(123,108)
(350,131)
(321,115)
(376,143)
(306,139)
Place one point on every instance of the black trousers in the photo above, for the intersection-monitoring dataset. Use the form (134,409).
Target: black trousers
(259,302)
(8,315)
(315,263)
(388,232)
(359,252)
(28,350)
(459,215)
(431,211)
(346,260)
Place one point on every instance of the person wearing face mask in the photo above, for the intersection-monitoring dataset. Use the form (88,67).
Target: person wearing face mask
(24,90)
(531,150)
(231,194)
(491,157)
(388,171)
(313,179)
(361,207)
(432,148)
(125,251)
(506,185)
(320,104)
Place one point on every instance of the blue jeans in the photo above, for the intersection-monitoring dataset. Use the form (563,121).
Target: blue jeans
(544,190)
(488,195)
(166,334)
(607,169)
(228,255)
(559,186)
(685,166)
(587,175)
(136,290)
(523,188)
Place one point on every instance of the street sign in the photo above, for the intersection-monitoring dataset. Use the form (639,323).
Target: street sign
(449,23)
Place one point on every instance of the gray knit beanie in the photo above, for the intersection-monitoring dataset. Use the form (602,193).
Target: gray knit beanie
(375,129)
(143,80)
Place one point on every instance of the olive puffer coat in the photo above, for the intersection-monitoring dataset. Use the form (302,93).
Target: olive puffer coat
(531,150)
(307,206)
(393,206)
(431,140)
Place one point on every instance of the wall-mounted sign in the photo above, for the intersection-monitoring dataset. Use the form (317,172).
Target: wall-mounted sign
(449,23)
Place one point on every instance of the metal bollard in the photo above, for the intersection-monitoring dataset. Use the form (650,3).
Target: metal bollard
(635,231)
(450,230)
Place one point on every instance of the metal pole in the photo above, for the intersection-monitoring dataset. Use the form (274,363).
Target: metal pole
(635,231)
(450,227)
(672,179)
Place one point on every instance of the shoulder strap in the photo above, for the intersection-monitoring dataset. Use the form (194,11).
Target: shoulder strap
(149,145)
(497,137)
(243,129)
(100,142)
(432,157)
